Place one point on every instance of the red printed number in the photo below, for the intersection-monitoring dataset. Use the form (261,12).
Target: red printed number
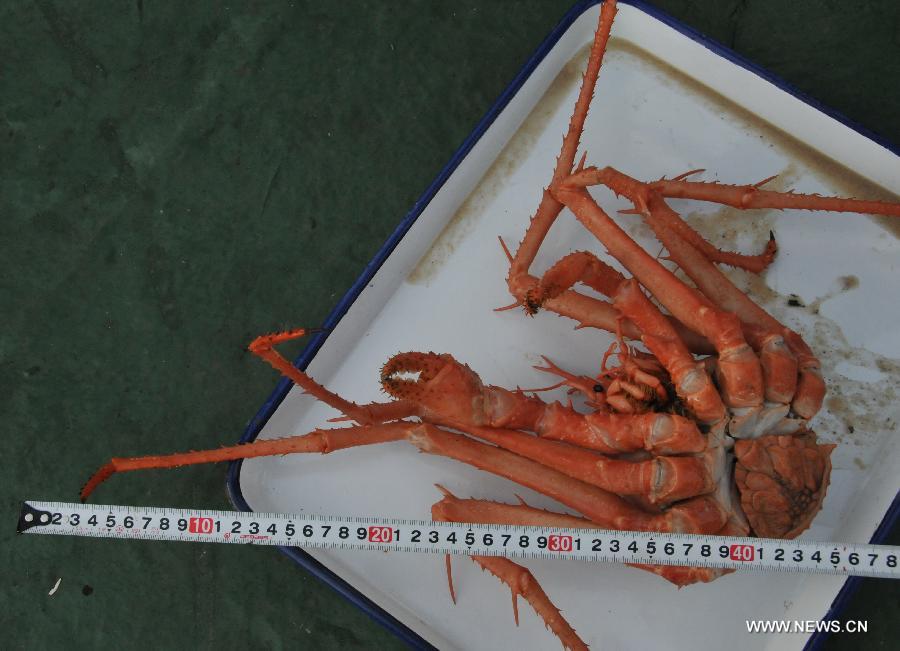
(742,553)
(381,534)
(200,525)
(559,543)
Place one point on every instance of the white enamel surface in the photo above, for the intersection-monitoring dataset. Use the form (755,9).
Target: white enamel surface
(437,291)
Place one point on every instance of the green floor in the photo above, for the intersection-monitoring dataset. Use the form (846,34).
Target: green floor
(178,177)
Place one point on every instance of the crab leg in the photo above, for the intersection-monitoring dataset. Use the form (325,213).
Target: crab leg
(446,392)
(740,374)
(781,380)
(782,351)
(549,207)
(660,479)
(752,263)
(611,433)
(751,196)
(322,441)
(658,332)
(454,509)
(590,312)
(691,380)
(580,266)
(702,514)
(522,583)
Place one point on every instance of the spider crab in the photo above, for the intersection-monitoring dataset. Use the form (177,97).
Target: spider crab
(714,445)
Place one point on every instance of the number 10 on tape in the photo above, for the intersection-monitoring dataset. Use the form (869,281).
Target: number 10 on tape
(331,532)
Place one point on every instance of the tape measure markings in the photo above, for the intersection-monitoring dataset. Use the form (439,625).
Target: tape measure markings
(405,535)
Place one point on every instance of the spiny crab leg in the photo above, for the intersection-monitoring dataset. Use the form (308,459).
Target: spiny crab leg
(658,332)
(520,581)
(751,196)
(753,263)
(783,352)
(740,374)
(779,365)
(321,441)
(661,479)
(700,514)
(550,207)
(445,391)
(454,509)
(579,266)
(691,380)
(591,312)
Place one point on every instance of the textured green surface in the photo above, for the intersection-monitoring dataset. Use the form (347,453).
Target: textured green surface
(177,177)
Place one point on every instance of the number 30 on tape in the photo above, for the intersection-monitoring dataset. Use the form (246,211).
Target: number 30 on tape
(332,532)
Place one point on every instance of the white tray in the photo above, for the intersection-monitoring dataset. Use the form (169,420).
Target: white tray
(437,289)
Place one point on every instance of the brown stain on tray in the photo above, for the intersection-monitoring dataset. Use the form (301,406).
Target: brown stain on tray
(518,149)
(727,223)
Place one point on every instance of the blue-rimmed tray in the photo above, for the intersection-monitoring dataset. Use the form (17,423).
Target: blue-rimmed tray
(434,284)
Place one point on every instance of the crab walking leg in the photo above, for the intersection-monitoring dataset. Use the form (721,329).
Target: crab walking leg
(612,433)
(580,266)
(691,380)
(752,263)
(701,514)
(522,583)
(658,333)
(740,374)
(450,393)
(779,364)
(779,359)
(783,352)
(554,294)
(591,312)
(454,509)
(321,441)
(549,207)
(751,196)
(660,479)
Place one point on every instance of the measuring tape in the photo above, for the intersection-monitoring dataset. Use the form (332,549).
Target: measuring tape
(330,532)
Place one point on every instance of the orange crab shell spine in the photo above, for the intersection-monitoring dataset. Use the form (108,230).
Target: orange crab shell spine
(751,196)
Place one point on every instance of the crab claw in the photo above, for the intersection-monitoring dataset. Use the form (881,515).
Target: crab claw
(782,482)
(443,386)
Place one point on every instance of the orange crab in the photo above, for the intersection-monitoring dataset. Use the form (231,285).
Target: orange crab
(716,445)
